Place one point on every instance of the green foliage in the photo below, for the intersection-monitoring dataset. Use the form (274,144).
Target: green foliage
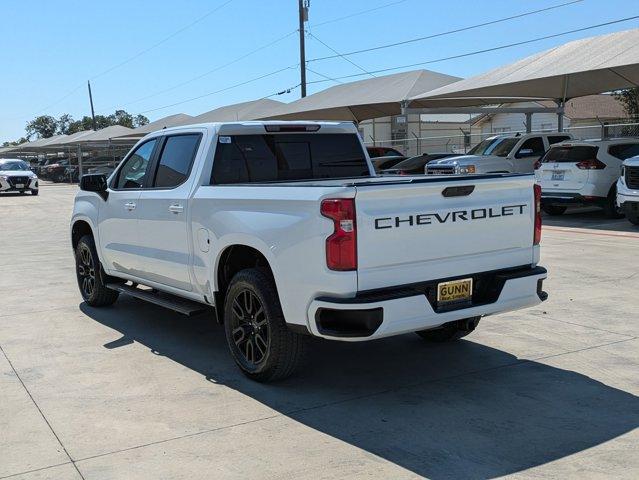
(46,126)
(629,98)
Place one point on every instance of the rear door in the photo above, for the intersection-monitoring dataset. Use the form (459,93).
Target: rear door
(163,212)
(559,170)
(435,229)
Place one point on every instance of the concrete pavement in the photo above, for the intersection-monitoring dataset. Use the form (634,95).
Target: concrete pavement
(135,391)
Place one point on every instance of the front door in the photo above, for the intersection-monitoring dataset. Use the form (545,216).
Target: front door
(118,217)
(163,212)
(527,155)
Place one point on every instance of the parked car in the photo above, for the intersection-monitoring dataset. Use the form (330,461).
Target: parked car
(381,163)
(57,172)
(416,165)
(499,154)
(280,225)
(628,188)
(41,167)
(583,173)
(16,176)
(375,152)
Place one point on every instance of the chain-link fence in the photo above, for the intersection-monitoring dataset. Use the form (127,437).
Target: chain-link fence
(463,142)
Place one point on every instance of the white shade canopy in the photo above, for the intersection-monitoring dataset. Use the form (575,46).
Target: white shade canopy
(583,67)
(165,122)
(102,136)
(364,99)
(251,110)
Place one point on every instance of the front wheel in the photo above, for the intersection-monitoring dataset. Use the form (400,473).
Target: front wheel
(35,192)
(260,342)
(90,276)
(450,331)
(611,210)
(632,214)
(554,210)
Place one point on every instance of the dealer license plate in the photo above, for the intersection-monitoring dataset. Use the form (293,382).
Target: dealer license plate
(557,176)
(19,185)
(455,291)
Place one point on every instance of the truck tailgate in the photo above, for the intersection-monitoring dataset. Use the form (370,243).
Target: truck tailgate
(441,228)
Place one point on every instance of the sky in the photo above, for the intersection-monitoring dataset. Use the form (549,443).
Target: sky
(159,57)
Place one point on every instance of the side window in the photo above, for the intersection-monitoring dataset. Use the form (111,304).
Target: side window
(532,147)
(133,171)
(557,138)
(176,159)
(624,150)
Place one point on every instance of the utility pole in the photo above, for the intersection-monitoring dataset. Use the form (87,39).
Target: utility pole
(303,7)
(91,101)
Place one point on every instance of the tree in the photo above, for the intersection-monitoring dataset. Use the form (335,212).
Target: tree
(140,120)
(15,142)
(629,98)
(64,124)
(43,126)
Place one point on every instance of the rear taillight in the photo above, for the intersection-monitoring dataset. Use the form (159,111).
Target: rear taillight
(592,164)
(537,234)
(341,246)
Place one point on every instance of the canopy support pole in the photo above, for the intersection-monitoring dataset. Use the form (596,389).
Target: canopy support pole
(79,153)
(529,122)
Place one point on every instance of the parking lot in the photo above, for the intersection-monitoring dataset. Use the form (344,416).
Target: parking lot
(136,391)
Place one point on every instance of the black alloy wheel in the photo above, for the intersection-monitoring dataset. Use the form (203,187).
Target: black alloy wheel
(86,271)
(250,330)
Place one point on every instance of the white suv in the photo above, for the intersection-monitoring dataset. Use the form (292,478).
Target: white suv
(628,187)
(583,173)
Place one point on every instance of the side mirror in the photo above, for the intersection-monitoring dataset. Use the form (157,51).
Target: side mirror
(95,182)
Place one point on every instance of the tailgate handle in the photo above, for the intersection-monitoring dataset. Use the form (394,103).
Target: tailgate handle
(458,191)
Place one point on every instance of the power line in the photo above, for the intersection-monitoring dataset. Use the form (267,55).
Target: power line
(450,32)
(164,40)
(209,72)
(130,59)
(340,55)
(477,52)
(357,13)
(255,79)
(323,76)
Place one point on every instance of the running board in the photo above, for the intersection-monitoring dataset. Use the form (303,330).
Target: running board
(172,302)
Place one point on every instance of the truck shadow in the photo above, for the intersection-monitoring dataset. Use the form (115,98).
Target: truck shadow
(591,218)
(444,411)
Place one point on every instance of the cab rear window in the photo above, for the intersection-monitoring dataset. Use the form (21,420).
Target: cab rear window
(570,154)
(287,157)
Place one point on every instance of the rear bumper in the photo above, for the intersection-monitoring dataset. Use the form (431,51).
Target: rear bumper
(394,311)
(568,198)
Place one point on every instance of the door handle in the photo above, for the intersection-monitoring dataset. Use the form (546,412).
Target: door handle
(176,208)
(129,206)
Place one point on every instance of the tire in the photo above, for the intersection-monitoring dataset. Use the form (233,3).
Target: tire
(35,192)
(632,215)
(91,276)
(259,340)
(554,210)
(451,331)
(21,192)
(610,208)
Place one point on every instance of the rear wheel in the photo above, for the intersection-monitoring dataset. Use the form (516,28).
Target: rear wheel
(90,275)
(260,342)
(554,209)
(450,331)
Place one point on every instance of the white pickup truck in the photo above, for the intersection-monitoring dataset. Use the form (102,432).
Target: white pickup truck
(499,154)
(285,229)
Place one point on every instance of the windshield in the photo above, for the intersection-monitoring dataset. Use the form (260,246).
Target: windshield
(499,147)
(16,165)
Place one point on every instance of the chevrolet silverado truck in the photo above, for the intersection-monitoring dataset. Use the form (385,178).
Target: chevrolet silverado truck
(499,154)
(285,230)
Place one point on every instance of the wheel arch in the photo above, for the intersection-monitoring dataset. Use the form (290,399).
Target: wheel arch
(80,228)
